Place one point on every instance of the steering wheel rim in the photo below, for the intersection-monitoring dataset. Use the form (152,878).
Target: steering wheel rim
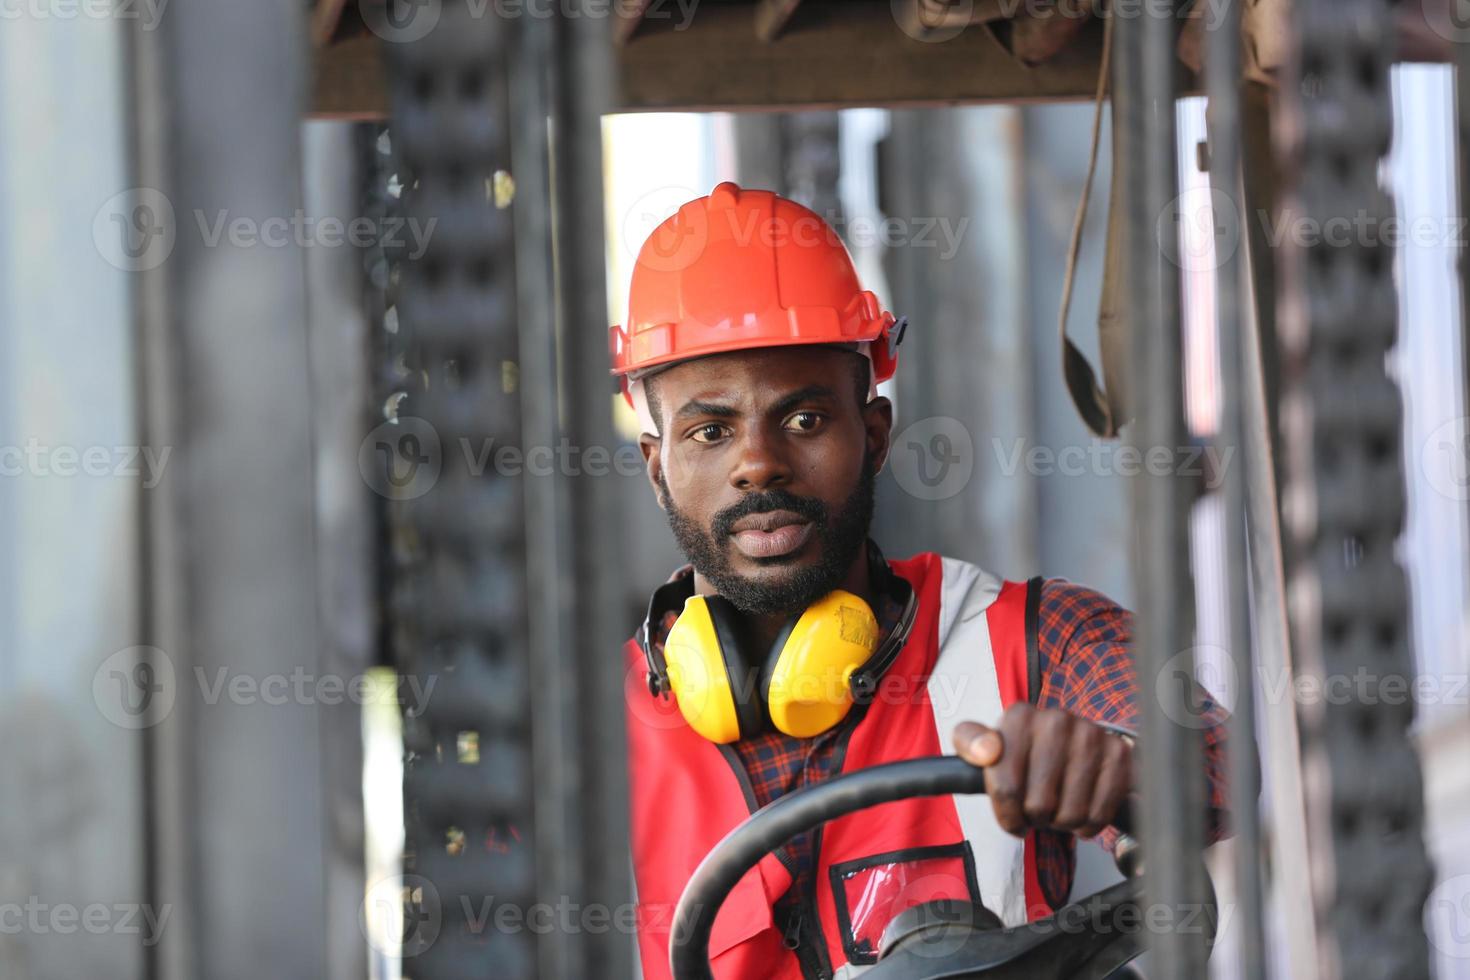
(773,825)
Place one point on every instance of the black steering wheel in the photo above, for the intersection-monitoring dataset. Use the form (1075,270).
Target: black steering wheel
(1087,940)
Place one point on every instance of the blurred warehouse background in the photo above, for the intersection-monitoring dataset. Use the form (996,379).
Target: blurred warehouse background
(191,509)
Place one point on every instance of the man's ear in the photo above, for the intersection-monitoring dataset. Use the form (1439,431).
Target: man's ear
(878,424)
(650,445)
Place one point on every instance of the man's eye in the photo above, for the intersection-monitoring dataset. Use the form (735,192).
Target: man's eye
(805,421)
(707,433)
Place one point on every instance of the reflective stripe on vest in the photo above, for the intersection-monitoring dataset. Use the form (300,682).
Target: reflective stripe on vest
(965,660)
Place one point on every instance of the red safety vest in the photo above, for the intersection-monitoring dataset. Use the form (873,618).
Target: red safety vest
(965,659)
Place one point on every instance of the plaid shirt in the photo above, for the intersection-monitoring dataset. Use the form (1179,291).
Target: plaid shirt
(1086,669)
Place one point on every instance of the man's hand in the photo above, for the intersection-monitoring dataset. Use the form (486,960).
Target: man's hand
(1049,769)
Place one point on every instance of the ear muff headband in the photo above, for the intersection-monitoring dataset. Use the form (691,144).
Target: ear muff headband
(741,674)
(716,694)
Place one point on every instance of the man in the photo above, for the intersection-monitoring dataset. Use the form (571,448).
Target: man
(752,356)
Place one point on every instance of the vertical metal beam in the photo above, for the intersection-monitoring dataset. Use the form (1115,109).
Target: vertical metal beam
(1171,760)
(549,595)
(346,542)
(73,775)
(1462,146)
(1342,422)
(236,784)
(582,81)
(1223,87)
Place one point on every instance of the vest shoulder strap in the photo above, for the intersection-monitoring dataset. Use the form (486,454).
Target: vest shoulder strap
(1033,639)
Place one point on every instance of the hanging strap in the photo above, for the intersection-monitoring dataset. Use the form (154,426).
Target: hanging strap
(1102,408)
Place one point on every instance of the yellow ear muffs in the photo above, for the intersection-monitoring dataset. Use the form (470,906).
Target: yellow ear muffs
(712,683)
(806,682)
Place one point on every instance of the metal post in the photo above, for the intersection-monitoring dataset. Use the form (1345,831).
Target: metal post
(550,596)
(1223,82)
(1462,116)
(1342,422)
(582,81)
(345,540)
(236,780)
(1171,762)
(73,776)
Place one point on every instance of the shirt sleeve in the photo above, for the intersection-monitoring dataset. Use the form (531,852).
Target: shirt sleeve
(1086,668)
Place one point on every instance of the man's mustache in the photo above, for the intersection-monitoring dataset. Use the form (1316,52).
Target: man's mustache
(764,501)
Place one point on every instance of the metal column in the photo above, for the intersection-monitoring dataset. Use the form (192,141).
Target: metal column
(1223,83)
(1462,143)
(236,819)
(1171,760)
(582,80)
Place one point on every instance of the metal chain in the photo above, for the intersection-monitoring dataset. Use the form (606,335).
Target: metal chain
(456,552)
(812,163)
(1343,506)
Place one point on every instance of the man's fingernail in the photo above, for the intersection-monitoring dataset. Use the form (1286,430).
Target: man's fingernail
(985,746)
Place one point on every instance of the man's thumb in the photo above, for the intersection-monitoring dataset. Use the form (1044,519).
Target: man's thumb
(978,745)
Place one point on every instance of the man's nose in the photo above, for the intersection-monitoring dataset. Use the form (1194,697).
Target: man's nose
(761,464)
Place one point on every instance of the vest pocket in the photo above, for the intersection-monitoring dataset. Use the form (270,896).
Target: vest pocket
(871,892)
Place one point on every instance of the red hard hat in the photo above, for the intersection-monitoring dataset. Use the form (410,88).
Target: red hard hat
(743,269)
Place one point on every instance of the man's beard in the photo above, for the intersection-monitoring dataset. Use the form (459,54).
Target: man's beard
(840,536)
